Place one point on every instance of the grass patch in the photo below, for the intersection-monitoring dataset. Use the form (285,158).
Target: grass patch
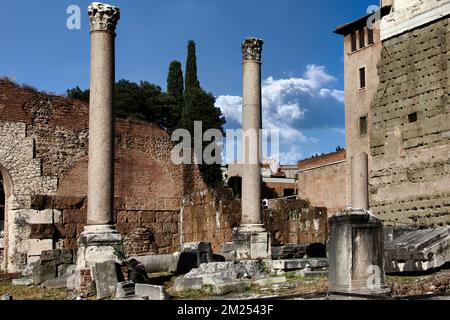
(33,292)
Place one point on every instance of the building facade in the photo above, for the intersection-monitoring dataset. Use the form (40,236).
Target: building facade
(397,109)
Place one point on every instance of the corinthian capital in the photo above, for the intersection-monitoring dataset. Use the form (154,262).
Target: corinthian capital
(103,17)
(252,49)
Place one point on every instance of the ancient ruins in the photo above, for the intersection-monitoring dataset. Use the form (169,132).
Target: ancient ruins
(87,200)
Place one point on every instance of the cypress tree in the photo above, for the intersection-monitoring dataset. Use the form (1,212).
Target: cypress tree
(200,106)
(175,92)
(175,82)
(191,67)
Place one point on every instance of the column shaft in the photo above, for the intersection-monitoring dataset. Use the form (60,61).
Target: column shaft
(251,151)
(101,130)
(360,181)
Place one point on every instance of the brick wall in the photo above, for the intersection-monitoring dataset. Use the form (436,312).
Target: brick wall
(322,181)
(410,178)
(44,149)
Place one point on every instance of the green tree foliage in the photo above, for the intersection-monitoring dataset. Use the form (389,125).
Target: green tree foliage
(175,92)
(191,67)
(200,106)
(133,101)
(78,94)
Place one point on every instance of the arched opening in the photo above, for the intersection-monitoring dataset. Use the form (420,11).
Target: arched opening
(2,220)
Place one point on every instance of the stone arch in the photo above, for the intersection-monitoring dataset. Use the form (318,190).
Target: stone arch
(22,179)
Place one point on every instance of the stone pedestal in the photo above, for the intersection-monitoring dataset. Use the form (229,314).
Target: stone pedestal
(252,242)
(97,242)
(356,254)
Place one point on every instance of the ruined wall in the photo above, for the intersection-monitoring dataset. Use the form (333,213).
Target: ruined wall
(296,221)
(212,217)
(410,178)
(322,181)
(43,150)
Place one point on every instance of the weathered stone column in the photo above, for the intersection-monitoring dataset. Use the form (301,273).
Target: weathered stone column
(253,239)
(360,181)
(251,127)
(356,246)
(99,237)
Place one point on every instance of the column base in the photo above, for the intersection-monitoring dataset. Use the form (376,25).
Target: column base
(252,242)
(95,245)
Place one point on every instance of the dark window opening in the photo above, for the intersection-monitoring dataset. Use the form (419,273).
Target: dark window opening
(412,117)
(370,36)
(235,183)
(362,39)
(288,192)
(363,126)
(362,78)
(353,36)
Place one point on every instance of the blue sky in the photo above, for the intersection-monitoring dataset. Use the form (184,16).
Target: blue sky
(302,68)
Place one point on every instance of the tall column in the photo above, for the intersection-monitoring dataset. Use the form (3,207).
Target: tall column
(360,181)
(251,127)
(251,239)
(97,242)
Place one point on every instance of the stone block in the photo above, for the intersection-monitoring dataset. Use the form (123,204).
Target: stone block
(184,284)
(202,250)
(57,283)
(43,272)
(297,264)
(36,246)
(267,282)
(231,287)
(66,269)
(22,282)
(42,231)
(67,256)
(105,276)
(38,216)
(51,256)
(125,289)
(151,291)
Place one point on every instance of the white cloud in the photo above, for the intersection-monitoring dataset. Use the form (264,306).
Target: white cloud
(292,156)
(231,107)
(282,107)
(337,94)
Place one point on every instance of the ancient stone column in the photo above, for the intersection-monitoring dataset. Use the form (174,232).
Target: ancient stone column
(251,126)
(356,245)
(103,19)
(97,242)
(360,181)
(252,239)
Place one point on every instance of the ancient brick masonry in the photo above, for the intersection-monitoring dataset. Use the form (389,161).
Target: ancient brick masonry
(410,180)
(43,155)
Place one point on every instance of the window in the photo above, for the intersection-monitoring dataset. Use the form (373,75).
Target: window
(370,36)
(362,78)
(288,192)
(363,126)
(362,39)
(353,36)
(412,117)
